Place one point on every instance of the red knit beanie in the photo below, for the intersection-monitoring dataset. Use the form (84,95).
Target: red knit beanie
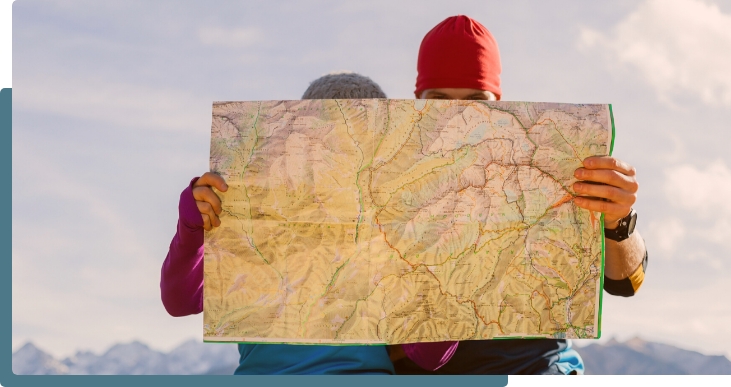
(458,53)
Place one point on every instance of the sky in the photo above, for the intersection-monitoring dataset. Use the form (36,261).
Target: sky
(112,114)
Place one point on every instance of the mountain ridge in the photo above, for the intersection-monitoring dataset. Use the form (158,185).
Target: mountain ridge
(639,357)
(192,357)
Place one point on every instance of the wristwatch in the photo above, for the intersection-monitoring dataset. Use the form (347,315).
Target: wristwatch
(624,229)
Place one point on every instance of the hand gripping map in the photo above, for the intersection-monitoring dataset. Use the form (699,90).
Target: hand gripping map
(402,221)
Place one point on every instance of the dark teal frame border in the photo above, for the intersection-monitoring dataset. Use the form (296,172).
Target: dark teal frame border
(9,379)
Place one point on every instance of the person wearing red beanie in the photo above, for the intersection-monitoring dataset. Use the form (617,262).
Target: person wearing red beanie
(459,53)
(459,59)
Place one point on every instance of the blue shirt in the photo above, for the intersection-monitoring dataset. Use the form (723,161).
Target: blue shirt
(283,359)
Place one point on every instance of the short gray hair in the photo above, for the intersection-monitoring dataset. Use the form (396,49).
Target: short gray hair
(343,85)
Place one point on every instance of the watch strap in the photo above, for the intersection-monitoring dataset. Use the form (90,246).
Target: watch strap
(622,231)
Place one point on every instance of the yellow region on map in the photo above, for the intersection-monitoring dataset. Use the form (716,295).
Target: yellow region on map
(402,221)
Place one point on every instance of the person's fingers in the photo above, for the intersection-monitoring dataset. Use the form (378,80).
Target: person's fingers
(607,162)
(213,180)
(612,211)
(206,194)
(206,222)
(206,209)
(613,194)
(608,177)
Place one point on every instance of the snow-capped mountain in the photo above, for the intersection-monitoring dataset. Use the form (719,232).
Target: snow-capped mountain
(135,358)
(29,360)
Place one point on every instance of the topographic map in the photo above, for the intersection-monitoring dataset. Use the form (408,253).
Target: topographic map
(401,221)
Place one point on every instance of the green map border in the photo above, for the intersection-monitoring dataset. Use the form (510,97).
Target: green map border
(601,278)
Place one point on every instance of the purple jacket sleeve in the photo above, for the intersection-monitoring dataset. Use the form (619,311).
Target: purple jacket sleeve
(430,356)
(181,280)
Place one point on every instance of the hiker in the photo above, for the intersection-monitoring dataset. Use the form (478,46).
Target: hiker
(459,59)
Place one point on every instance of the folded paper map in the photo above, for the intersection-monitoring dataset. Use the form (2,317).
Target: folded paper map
(399,221)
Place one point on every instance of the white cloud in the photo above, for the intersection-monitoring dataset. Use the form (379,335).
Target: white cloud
(705,191)
(666,235)
(232,38)
(53,181)
(719,233)
(678,46)
(703,196)
(669,239)
(114,102)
